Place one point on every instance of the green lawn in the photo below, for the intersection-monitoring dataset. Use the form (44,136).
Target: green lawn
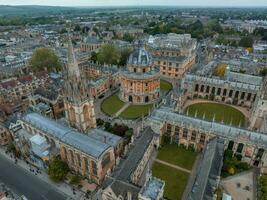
(175,180)
(136,111)
(165,85)
(179,156)
(222,112)
(111,105)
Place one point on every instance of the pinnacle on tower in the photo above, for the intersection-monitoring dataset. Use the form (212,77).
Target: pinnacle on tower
(73,69)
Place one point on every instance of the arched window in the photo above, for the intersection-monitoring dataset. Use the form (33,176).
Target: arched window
(72,115)
(94,167)
(105,160)
(86,113)
(130,98)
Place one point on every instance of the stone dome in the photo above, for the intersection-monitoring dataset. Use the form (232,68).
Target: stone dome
(140,57)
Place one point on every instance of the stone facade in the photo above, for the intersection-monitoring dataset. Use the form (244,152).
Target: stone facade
(5,136)
(220,90)
(250,146)
(140,84)
(78,103)
(88,166)
(174,53)
(85,155)
(21,87)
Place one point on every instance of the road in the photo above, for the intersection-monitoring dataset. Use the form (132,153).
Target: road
(25,183)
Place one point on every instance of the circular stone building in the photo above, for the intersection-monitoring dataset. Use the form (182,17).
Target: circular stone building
(140,83)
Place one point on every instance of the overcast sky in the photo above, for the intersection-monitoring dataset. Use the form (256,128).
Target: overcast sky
(136,2)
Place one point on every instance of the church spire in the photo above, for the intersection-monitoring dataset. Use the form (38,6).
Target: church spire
(72,66)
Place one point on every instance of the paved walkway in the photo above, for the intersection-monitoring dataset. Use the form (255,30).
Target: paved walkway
(122,109)
(173,166)
(62,187)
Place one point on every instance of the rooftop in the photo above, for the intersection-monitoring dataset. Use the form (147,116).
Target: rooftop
(152,188)
(165,114)
(80,141)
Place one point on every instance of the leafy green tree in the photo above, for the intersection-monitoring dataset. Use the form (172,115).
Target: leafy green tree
(75,180)
(124,55)
(108,54)
(57,169)
(77,28)
(263,72)
(246,42)
(262,188)
(44,58)
(128,37)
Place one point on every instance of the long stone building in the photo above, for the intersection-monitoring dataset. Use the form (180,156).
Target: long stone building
(234,88)
(87,155)
(129,181)
(174,53)
(250,146)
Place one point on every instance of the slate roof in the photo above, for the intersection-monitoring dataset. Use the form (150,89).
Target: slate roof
(67,135)
(165,114)
(209,168)
(120,180)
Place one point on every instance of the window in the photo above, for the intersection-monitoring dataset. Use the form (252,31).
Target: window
(106,160)
(193,136)
(94,167)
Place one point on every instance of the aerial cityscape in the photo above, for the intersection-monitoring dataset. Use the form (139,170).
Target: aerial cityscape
(133,100)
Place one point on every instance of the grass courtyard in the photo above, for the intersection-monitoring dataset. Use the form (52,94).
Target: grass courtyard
(165,85)
(136,111)
(111,105)
(179,156)
(222,112)
(175,180)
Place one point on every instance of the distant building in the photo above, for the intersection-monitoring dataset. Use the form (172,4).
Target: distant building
(174,53)
(90,44)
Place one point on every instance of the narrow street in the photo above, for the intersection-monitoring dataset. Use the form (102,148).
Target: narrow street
(25,183)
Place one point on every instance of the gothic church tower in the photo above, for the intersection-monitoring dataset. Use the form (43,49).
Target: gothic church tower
(79,106)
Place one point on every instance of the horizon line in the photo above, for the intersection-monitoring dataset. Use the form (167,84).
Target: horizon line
(145,5)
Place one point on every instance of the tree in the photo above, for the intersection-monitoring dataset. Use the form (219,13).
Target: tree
(124,55)
(246,42)
(128,37)
(75,180)
(262,187)
(108,54)
(57,169)
(44,58)
(263,72)
(77,28)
